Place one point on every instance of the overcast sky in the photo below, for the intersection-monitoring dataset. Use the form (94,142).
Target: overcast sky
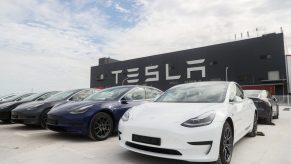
(51,45)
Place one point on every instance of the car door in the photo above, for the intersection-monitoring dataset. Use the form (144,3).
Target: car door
(241,112)
(133,98)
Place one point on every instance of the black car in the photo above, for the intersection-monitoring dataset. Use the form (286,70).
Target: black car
(266,104)
(6,108)
(35,113)
(16,98)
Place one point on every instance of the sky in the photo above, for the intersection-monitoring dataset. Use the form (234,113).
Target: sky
(51,45)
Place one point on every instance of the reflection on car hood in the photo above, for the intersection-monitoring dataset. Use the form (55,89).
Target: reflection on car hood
(70,106)
(171,112)
(5,105)
(29,104)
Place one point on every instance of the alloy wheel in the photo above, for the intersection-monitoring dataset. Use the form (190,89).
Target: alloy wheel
(102,126)
(227,144)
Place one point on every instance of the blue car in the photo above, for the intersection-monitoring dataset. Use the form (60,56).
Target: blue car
(98,115)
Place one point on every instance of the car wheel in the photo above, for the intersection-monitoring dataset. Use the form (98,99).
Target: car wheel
(226,145)
(101,127)
(277,115)
(253,133)
(6,121)
(43,120)
(270,118)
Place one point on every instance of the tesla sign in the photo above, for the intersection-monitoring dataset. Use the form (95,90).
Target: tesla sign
(152,72)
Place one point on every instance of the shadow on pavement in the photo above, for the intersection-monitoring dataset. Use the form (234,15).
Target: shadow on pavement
(71,137)
(132,157)
(25,127)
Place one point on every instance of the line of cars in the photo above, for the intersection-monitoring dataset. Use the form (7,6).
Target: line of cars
(197,122)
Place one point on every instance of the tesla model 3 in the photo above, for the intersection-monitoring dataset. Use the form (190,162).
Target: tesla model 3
(197,122)
(98,115)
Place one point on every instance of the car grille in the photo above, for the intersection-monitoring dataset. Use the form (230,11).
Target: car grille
(153,149)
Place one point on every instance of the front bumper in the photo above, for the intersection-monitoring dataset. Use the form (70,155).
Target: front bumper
(200,144)
(25,117)
(74,124)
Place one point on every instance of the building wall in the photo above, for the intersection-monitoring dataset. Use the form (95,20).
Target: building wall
(248,62)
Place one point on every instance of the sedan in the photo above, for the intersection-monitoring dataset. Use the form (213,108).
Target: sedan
(266,104)
(16,98)
(6,108)
(98,115)
(35,113)
(196,122)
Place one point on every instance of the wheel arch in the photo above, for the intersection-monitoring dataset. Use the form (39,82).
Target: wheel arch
(107,111)
(229,120)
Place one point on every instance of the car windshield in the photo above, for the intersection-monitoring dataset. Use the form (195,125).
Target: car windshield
(32,97)
(110,94)
(252,93)
(62,95)
(7,97)
(195,93)
(13,98)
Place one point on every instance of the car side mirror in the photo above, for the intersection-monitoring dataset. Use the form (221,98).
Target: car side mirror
(274,98)
(123,101)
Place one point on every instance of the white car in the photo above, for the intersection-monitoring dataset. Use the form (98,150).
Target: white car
(196,122)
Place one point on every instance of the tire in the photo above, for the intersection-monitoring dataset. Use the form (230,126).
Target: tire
(226,145)
(6,121)
(270,118)
(277,115)
(43,120)
(253,133)
(101,126)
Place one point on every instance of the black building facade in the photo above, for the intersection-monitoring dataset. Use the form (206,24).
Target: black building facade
(253,63)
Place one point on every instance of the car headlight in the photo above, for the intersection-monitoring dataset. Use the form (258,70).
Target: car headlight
(81,110)
(125,116)
(202,120)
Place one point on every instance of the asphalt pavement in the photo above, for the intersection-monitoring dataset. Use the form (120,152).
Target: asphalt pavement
(32,145)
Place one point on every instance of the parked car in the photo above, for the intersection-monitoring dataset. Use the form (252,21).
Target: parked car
(3,98)
(35,113)
(6,108)
(16,98)
(196,122)
(266,104)
(98,115)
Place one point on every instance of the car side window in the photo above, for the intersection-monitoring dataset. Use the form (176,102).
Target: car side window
(136,94)
(152,93)
(81,95)
(239,92)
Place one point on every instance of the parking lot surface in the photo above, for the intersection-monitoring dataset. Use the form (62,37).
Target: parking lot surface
(32,145)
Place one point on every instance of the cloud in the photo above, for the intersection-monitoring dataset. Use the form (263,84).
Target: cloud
(121,9)
(177,25)
(50,45)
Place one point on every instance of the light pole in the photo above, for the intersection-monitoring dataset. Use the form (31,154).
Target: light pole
(226,75)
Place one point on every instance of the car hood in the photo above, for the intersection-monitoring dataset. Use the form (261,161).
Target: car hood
(7,104)
(171,112)
(35,104)
(71,106)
